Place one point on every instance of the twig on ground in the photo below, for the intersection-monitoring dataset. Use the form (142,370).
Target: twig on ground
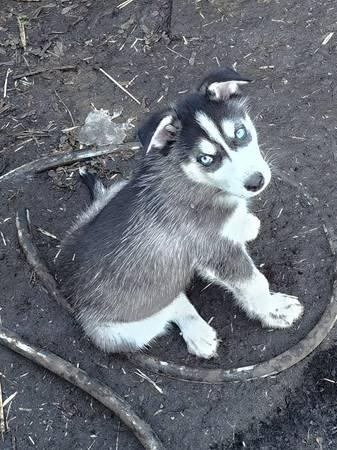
(117,437)
(4,107)
(41,70)
(6,82)
(66,107)
(33,258)
(124,4)
(331,238)
(46,233)
(9,399)
(328,37)
(66,130)
(145,377)
(2,416)
(3,239)
(81,379)
(22,20)
(119,85)
(176,53)
(63,159)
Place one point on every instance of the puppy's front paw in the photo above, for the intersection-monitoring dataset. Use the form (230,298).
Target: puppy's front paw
(201,340)
(252,227)
(283,311)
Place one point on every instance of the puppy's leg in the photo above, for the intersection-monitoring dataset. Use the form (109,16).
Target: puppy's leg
(131,336)
(201,338)
(251,227)
(242,226)
(251,289)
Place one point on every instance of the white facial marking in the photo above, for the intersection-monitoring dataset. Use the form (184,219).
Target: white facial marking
(207,147)
(239,165)
(250,127)
(228,128)
(207,124)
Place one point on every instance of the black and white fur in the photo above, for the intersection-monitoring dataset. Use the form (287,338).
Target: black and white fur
(126,263)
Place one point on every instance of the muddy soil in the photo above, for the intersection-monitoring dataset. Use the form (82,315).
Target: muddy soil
(159,50)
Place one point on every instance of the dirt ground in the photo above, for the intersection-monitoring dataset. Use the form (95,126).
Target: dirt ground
(160,50)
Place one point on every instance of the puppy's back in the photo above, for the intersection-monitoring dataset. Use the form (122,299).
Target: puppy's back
(124,264)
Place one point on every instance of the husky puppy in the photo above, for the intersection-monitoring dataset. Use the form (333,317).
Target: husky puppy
(126,264)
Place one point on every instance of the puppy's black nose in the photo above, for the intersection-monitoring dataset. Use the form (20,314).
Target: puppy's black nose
(255,182)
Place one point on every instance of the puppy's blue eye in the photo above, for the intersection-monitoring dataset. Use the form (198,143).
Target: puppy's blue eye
(241,133)
(205,160)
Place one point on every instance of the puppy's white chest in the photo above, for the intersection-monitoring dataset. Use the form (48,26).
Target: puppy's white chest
(241,226)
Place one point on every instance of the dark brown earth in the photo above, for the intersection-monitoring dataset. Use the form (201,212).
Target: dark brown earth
(159,50)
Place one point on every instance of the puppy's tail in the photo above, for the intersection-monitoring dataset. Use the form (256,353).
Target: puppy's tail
(95,186)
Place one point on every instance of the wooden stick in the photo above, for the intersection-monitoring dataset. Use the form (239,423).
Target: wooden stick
(119,85)
(33,258)
(82,380)
(6,82)
(41,70)
(22,31)
(66,107)
(63,159)
(2,416)
(124,4)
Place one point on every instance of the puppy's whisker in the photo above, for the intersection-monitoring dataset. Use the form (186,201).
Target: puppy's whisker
(257,116)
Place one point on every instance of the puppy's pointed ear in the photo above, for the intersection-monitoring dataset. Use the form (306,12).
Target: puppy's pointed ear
(222,84)
(159,131)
